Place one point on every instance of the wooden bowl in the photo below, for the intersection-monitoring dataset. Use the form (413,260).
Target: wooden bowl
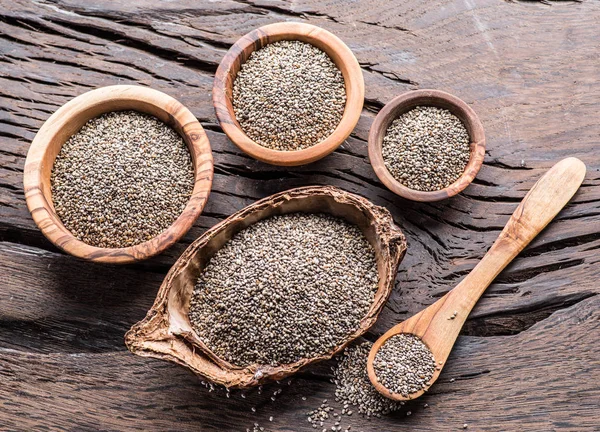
(68,120)
(322,39)
(167,333)
(407,101)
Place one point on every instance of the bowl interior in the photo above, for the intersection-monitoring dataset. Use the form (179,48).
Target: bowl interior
(407,102)
(183,283)
(249,48)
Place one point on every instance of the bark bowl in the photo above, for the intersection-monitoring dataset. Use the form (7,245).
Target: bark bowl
(166,332)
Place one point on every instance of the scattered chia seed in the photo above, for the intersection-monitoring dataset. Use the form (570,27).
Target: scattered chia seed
(426,148)
(121,180)
(289,95)
(404,364)
(353,386)
(285,288)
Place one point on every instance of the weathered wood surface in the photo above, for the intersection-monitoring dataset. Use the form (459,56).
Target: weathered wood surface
(529,357)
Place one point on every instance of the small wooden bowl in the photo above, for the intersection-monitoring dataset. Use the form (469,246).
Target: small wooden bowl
(322,39)
(167,333)
(68,120)
(407,101)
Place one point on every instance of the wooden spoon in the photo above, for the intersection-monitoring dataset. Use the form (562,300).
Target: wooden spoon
(438,326)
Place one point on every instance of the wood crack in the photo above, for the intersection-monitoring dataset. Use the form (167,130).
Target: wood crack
(121,38)
(521,319)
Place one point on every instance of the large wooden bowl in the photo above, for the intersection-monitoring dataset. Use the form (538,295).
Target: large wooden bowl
(166,332)
(68,120)
(322,39)
(407,101)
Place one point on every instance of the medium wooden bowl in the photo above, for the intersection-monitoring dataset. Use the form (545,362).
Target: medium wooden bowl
(322,39)
(166,332)
(407,101)
(68,120)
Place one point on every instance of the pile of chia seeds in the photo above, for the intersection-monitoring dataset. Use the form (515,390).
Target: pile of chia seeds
(289,95)
(404,364)
(121,180)
(426,149)
(285,288)
(353,387)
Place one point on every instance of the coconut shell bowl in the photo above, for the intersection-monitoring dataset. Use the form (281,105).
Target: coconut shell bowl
(436,98)
(68,120)
(339,53)
(167,333)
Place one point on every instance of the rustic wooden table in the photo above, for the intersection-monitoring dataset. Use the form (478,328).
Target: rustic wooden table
(529,357)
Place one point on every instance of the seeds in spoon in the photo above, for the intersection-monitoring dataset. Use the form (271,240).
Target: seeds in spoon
(285,288)
(426,149)
(121,180)
(404,365)
(289,95)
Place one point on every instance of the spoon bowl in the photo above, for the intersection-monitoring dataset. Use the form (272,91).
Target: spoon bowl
(438,325)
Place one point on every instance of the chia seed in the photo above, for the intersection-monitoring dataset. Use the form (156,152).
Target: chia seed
(404,365)
(426,148)
(121,180)
(289,95)
(285,288)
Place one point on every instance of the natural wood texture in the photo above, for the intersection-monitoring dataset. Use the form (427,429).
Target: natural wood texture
(256,39)
(167,332)
(439,325)
(67,120)
(527,358)
(404,103)
(119,391)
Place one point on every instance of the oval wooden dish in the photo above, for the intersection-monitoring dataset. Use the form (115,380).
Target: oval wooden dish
(322,39)
(407,101)
(167,333)
(68,120)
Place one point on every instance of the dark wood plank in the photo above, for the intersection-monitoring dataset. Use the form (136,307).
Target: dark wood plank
(529,70)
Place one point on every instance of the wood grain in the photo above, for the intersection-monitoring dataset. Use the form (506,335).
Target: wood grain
(404,103)
(119,391)
(167,333)
(439,325)
(67,120)
(529,70)
(237,55)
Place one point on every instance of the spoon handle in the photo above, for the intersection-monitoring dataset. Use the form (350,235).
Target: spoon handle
(541,204)
(441,322)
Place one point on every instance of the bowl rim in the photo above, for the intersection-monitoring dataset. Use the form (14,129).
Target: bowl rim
(427,97)
(40,158)
(256,39)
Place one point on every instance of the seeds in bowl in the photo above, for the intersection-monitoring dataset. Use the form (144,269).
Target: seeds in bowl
(289,95)
(426,148)
(404,364)
(285,288)
(121,180)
